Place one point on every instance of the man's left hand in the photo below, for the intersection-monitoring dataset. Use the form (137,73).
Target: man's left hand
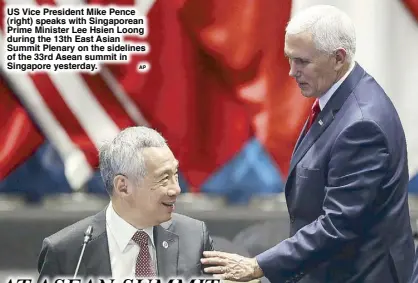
(231,266)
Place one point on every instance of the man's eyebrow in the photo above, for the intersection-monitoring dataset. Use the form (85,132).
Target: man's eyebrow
(288,56)
(298,58)
(168,170)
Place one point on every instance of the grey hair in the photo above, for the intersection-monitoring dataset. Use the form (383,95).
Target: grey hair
(330,28)
(123,155)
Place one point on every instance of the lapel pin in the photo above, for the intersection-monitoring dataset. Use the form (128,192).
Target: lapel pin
(320,122)
(165,244)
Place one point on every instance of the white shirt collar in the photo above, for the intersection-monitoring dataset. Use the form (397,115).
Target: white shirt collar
(323,100)
(122,230)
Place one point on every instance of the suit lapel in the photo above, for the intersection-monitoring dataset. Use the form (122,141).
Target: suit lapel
(322,122)
(96,257)
(167,247)
(326,116)
(301,136)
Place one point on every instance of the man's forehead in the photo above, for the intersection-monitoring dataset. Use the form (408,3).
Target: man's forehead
(304,38)
(159,156)
(295,45)
(168,166)
(155,150)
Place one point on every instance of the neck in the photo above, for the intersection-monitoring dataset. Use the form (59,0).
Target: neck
(342,72)
(124,210)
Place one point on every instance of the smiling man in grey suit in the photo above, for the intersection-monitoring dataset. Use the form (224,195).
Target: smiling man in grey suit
(137,235)
(347,186)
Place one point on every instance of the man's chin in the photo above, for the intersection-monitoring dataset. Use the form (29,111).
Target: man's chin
(307,94)
(167,217)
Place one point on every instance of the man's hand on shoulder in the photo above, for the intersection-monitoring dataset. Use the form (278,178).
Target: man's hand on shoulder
(231,266)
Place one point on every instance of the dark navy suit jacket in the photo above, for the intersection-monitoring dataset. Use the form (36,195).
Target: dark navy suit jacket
(347,194)
(414,278)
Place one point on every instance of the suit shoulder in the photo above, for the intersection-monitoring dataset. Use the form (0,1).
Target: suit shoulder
(372,100)
(69,234)
(186,223)
(186,220)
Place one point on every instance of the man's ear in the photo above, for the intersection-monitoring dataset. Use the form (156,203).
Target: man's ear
(340,58)
(121,185)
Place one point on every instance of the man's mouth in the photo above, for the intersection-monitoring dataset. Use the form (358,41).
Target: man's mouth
(169,203)
(303,86)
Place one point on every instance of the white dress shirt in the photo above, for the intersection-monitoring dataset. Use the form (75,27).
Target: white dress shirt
(323,100)
(123,251)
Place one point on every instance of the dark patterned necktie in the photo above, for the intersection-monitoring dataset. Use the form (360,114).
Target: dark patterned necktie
(144,267)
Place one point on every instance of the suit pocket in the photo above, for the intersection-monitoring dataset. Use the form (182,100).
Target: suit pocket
(309,176)
(307,196)
(305,172)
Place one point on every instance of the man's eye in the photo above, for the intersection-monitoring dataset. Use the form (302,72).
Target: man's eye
(301,61)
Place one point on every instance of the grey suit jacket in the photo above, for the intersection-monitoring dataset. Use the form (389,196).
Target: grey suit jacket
(187,238)
(347,194)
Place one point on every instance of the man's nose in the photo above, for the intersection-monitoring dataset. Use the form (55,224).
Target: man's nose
(292,71)
(174,189)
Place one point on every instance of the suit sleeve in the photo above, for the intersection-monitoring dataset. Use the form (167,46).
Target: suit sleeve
(358,164)
(47,262)
(207,246)
(207,239)
(414,277)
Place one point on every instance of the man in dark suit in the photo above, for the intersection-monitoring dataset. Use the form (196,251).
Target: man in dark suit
(347,186)
(137,234)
